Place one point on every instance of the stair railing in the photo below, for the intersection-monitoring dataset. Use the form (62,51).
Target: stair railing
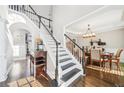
(76,50)
(39,20)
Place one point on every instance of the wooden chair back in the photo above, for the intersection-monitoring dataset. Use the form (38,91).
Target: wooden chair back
(95,54)
(118,53)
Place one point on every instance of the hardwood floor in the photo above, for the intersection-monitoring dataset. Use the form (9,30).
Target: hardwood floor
(96,78)
(21,69)
(91,81)
(93,78)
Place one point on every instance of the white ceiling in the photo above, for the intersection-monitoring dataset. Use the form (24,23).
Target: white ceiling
(46,10)
(106,16)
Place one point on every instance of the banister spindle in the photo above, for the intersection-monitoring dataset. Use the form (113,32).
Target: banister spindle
(80,57)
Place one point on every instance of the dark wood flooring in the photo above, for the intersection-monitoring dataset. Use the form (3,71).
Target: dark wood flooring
(93,78)
(21,69)
(96,78)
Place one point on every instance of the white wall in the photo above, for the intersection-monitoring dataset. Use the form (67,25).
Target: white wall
(43,10)
(5,47)
(63,15)
(29,26)
(3,11)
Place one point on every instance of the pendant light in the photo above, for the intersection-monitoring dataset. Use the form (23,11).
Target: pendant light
(89,33)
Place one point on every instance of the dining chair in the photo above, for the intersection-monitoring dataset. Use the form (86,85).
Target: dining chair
(116,58)
(96,57)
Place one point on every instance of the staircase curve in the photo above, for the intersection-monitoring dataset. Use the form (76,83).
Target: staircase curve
(62,67)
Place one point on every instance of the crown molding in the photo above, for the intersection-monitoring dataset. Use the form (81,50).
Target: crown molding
(118,26)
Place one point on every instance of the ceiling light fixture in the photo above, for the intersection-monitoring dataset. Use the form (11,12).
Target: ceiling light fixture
(89,33)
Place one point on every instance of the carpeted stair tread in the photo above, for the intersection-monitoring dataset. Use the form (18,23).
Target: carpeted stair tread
(64,60)
(67,66)
(63,55)
(70,74)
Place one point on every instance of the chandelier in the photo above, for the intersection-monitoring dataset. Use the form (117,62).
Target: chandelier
(89,33)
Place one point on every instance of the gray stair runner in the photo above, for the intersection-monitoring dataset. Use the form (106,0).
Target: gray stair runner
(67,66)
(63,55)
(64,60)
(70,74)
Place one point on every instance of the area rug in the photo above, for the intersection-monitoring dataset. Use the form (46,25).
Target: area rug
(106,70)
(25,82)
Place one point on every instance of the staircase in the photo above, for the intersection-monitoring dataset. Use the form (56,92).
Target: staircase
(67,68)
(70,68)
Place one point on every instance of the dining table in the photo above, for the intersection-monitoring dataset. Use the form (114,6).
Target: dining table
(107,56)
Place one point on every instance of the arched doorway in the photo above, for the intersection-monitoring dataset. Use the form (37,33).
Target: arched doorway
(22,43)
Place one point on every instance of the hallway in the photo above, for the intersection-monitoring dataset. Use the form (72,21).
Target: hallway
(20,70)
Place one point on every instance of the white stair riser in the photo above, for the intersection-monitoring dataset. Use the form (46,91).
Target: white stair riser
(64,57)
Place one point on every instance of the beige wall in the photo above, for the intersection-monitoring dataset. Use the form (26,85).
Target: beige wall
(113,39)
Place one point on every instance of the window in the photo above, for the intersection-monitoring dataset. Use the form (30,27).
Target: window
(16,50)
